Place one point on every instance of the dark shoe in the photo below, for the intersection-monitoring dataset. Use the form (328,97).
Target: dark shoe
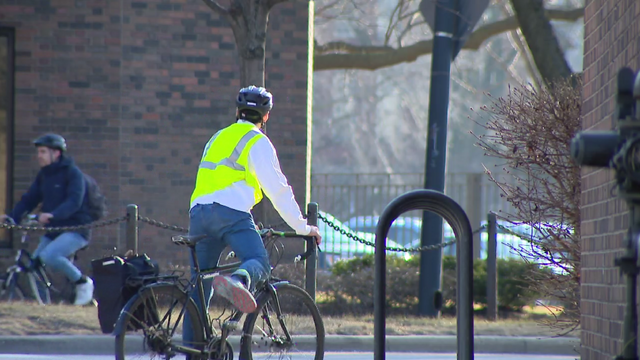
(234,291)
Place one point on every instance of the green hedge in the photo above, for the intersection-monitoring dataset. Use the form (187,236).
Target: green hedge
(348,288)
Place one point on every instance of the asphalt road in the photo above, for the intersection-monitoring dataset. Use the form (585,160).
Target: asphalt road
(328,356)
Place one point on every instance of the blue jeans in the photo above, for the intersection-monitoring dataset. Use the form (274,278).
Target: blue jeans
(55,253)
(225,226)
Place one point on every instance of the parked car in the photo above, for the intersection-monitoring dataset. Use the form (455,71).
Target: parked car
(408,231)
(337,246)
(405,230)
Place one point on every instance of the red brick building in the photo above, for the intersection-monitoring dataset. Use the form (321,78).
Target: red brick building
(137,88)
(612,40)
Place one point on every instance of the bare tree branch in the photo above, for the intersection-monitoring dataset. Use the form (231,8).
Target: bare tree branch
(341,46)
(516,40)
(273,3)
(392,24)
(541,40)
(408,28)
(319,11)
(216,7)
(377,57)
(530,130)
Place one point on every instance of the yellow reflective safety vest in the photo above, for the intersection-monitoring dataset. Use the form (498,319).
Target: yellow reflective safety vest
(224,161)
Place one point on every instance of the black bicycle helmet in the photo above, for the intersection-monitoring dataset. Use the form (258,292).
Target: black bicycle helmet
(52,141)
(255,98)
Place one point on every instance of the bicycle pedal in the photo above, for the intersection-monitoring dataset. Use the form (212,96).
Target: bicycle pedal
(230,325)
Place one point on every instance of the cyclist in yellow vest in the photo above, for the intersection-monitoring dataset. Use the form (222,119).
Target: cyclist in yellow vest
(237,164)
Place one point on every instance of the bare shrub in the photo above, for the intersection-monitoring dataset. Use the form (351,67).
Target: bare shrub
(531,131)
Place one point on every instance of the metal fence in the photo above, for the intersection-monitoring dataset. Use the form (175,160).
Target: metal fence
(356,200)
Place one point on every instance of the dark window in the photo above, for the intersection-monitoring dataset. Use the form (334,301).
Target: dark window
(7,40)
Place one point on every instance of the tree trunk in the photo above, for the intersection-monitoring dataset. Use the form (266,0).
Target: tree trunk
(251,72)
(249,19)
(541,39)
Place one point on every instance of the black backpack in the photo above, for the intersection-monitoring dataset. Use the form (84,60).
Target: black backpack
(97,202)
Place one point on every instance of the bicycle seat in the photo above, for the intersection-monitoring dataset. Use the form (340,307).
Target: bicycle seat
(189,240)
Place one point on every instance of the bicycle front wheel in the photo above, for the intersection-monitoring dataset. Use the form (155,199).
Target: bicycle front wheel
(39,288)
(284,326)
(10,289)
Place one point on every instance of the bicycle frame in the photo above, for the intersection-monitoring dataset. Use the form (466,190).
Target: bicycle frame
(196,281)
(201,274)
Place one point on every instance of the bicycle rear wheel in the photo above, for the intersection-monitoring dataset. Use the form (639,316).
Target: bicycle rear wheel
(10,289)
(153,323)
(294,329)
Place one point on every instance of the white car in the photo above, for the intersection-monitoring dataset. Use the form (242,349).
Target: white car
(337,246)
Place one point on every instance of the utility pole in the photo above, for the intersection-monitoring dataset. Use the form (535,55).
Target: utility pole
(451,21)
(431,261)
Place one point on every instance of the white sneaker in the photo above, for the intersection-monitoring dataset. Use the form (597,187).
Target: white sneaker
(84,292)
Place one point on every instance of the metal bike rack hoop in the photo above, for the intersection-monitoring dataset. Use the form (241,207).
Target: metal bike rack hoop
(452,212)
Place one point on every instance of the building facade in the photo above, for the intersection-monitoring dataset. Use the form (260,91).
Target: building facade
(137,88)
(612,41)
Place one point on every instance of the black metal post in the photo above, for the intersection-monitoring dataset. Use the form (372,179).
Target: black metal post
(132,228)
(492,267)
(628,266)
(452,212)
(431,262)
(311,263)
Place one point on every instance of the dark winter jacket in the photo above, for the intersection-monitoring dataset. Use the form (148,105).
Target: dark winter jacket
(60,187)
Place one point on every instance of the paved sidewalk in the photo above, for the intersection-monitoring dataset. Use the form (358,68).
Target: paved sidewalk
(104,344)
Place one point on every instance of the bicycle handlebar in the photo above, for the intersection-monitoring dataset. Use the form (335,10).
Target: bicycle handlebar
(30,218)
(311,241)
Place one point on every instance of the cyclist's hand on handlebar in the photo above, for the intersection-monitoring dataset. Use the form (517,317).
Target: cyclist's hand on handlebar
(264,232)
(315,233)
(44,218)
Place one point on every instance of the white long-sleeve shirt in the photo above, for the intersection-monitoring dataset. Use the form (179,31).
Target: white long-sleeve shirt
(262,161)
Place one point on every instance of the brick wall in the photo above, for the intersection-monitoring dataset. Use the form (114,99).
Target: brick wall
(612,40)
(137,88)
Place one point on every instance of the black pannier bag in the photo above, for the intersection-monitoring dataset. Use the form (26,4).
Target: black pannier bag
(116,280)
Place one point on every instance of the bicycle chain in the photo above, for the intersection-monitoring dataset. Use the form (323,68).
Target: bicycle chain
(65,228)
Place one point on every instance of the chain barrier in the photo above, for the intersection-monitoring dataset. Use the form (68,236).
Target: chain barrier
(65,228)
(162,225)
(93,225)
(166,226)
(525,237)
(396,249)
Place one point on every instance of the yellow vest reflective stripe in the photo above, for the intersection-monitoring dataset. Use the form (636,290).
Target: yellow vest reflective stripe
(224,161)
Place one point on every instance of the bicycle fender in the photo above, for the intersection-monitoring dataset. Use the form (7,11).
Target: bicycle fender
(119,327)
(262,298)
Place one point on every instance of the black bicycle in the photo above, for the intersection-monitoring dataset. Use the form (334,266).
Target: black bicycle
(27,278)
(268,331)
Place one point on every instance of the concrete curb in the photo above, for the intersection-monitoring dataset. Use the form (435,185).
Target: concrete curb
(104,344)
